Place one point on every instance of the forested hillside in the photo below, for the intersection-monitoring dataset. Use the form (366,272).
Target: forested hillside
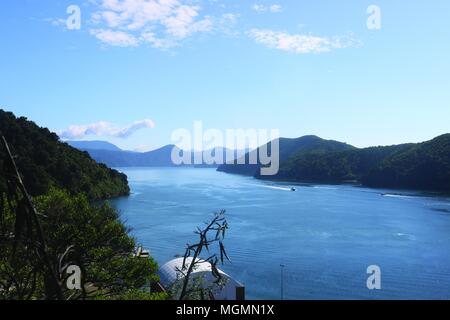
(45,162)
(423,166)
(288,148)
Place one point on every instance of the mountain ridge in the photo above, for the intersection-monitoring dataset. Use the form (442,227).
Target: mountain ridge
(423,165)
(93,144)
(161,157)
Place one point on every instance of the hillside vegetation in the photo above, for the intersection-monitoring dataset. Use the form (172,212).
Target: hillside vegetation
(45,162)
(288,149)
(60,227)
(422,166)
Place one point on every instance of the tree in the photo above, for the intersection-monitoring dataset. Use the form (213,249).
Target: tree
(41,238)
(24,257)
(196,288)
(45,162)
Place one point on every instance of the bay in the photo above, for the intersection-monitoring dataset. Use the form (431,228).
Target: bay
(326,236)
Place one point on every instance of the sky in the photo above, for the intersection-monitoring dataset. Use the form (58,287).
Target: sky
(133,71)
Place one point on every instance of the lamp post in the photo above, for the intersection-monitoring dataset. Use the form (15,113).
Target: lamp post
(282,281)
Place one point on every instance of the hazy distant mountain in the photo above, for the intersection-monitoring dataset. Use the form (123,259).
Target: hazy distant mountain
(114,157)
(423,166)
(93,145)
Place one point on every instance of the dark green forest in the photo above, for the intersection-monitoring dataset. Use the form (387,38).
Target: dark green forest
(288,148)
(76,233)
(45,162)
(423,166)
(51,218)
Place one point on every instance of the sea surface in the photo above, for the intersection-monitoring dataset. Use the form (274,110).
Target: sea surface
(326,236)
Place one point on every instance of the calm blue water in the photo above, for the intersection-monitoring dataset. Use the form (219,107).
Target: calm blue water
(326,236)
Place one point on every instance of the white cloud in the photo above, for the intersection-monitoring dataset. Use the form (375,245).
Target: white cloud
(162,23)
(155,42)
(115,38)
(300,43)
(57,22)
(104,128)
(182,24)
(230,17)
(275,8)
(260,8)
(138,125)
(165,24)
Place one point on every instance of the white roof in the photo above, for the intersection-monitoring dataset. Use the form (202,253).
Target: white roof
(169,272)
(170,275)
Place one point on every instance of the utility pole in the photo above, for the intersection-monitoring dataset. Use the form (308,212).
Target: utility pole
(282,281)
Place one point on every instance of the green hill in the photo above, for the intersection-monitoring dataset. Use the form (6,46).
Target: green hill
(423,166)
(338,166)
(288,148)
(46,162)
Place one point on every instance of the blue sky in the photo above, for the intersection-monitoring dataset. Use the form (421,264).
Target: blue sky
(147,68)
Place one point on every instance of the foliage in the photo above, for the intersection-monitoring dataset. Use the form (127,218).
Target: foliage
(45,162)
(288,149)
(195,288)
(423,166)
(41,238)
(334,166)
(138,295)
(100,242)
(24,262)
(93,238)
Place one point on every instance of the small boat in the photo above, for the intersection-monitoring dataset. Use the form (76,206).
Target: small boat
(293,189)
